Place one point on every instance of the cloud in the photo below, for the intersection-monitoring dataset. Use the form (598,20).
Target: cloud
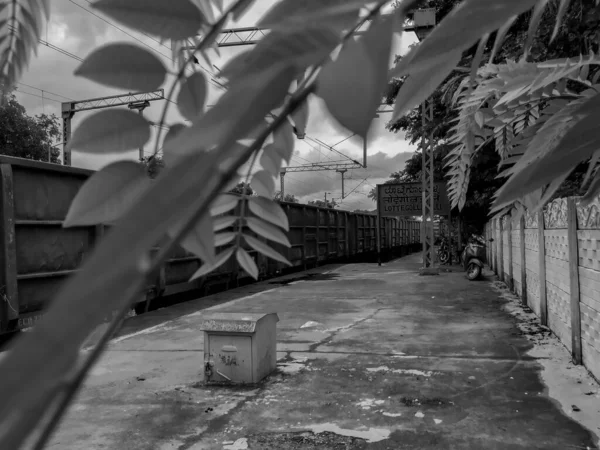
(77,30)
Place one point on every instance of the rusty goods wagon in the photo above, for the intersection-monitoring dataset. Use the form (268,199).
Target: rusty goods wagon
(37,254)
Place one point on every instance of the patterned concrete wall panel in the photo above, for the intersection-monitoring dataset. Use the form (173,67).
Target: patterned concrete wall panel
(557,280)
(532,261)
(588,218)
(555,214)
(531,220)
(589,248)
(557,273)
(516,257)
(505,249)
(531,240)
(533,291)
(589,288)
(557,244)
(590,339)
(559,313)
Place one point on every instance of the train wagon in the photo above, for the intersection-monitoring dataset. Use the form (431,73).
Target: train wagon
(37,254)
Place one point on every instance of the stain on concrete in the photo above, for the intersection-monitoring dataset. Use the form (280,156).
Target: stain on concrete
(338,403)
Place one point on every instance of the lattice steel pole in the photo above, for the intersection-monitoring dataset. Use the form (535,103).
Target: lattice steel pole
(428,183)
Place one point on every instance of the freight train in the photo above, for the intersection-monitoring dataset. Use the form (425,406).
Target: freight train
(37,254)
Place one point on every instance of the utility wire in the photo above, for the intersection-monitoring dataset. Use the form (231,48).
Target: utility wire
(44,90)
(38,96)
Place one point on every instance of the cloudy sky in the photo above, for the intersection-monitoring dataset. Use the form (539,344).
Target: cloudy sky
(75,30)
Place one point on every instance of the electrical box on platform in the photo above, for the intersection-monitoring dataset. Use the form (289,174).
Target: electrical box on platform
(239,348)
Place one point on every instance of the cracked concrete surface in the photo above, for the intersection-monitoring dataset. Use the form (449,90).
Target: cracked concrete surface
(389,360)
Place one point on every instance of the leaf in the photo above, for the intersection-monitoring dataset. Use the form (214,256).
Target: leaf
(243,7)
(220,223)
(300,118)
(200,240)
(238,112)
(263,183)
(352,86)
(224,238)
(283,141)
(270,160)
(108,194)
(270,211)
(268,231)
(263,248)
(293,13)
(192,96)
(419,86)
(459,30)
(174,130)
(114,131)
(501,35)
(224,203)
(297,48)
(574,141)
(478,56)
(124,66)
(172,19)
(20,38)
(562,10)
(208,268)
(33,371)
(247,263)
(534,23)
(592,192)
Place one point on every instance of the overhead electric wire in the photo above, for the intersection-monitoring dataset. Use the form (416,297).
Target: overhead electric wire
(53,47)
(215,83)
(120,29)
(44,90)
(38,96)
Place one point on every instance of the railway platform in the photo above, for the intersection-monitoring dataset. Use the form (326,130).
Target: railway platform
(368,358)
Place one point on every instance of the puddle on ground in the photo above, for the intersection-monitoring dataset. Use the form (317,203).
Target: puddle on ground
(309,277)
(370,435)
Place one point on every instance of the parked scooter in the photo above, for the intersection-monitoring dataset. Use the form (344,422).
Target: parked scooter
(474,257)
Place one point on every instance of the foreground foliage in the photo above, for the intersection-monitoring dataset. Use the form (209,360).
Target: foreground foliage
(309,51)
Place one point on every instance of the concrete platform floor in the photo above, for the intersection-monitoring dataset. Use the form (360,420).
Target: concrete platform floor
(369,358)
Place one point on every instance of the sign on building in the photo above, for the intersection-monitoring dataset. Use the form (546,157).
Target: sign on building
(406,199)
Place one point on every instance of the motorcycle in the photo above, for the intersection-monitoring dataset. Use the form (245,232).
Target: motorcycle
(444,251)
(474,257)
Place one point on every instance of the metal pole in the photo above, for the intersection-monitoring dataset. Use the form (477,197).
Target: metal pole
(431,196)
(141,111)
(67,115)
(378,228)
(365,152)
(281,175)
(427,186)
(424,187)
(342,171)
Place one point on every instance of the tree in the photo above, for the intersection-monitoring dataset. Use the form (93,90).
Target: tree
(580,23)
(154,165)
(288,198)
(44,370)
(242,188)
(27,137)
(331,204)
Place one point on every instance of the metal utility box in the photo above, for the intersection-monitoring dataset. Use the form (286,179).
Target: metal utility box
(238,347)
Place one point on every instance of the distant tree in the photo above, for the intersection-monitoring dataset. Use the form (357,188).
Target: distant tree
(27,137)
(289,198)
(364,211)
(242,188)
(154,165)
(321,203)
